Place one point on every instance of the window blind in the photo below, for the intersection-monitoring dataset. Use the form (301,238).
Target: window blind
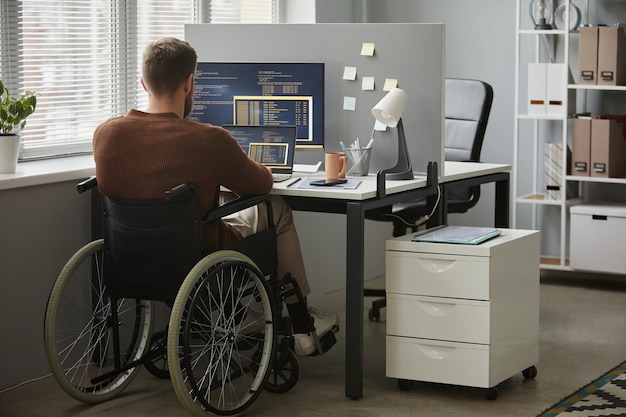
(83,58)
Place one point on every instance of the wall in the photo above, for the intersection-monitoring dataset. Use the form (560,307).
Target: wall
(40,228)
(480,43)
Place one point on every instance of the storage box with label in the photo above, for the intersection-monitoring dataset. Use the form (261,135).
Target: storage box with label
(597,237)
(581,146)
(608,149)
(553,173)
(588,55)
(611,56)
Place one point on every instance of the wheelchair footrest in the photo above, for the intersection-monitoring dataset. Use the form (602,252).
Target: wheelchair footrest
(326,342)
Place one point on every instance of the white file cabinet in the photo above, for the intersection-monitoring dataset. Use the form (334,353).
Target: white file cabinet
(463,314)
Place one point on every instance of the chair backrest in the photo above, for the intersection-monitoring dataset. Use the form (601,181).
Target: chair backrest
(467,109)
(468,104)
(151,245)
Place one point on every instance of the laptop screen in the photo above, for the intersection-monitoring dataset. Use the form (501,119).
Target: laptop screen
(272,146)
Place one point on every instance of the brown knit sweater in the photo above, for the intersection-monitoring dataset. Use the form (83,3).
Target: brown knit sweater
(142,155)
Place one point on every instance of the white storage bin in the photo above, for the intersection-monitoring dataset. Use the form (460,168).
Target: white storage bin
(597,237)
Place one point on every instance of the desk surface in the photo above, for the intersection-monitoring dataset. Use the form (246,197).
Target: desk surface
(453,171)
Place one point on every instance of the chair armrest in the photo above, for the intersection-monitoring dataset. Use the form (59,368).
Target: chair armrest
(234,206)
(86,185)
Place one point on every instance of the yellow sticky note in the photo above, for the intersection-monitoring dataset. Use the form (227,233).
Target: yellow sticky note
(368,49)
(367,83)
(349,103)
(390,84)
(349,73)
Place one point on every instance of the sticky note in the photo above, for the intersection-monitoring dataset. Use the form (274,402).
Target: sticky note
(349,103)
(390,84)
(367,83)
(349,73)
(380,126)
(367,49)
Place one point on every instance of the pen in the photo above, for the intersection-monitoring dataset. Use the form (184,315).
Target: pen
(293,182)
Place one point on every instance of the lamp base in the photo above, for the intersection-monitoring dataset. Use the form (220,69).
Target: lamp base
(399,176)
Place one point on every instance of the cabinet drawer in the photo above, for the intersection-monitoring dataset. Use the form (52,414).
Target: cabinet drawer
(438,275)
(437,361)
(438,318)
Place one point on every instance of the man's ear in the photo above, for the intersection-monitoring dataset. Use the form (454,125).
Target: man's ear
(189,83)
(144,86)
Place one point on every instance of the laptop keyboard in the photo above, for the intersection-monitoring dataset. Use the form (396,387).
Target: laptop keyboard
(281,177)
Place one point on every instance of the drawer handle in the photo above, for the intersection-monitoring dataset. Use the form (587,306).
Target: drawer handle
(437,265)
(436,352)
(436,309)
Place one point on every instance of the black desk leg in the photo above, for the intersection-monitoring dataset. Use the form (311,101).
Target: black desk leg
(502,202)
(355,258)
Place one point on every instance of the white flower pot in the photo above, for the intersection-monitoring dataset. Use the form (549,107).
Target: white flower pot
(9,150)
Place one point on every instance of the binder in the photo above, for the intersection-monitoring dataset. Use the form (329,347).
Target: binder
(611,56)
(559,100)
(537,78)
(608,149)
(581,146)
(587,55)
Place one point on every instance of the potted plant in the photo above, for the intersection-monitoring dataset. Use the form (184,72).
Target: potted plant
(13,114)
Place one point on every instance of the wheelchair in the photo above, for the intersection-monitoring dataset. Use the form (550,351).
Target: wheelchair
(226,340)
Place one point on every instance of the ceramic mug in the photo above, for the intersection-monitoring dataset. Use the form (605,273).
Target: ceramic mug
(335,165)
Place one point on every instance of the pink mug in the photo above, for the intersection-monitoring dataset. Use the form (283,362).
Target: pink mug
(335,165)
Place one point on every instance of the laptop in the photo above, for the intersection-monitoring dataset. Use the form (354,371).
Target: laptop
(272,146)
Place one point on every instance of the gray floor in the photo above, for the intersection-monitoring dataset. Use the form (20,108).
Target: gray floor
(582,336)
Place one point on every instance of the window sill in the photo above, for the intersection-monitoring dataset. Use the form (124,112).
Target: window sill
(48,171)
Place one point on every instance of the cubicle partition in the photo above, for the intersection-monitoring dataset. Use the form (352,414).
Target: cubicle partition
(412,54)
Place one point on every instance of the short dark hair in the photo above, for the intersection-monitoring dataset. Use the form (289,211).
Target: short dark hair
(167,63)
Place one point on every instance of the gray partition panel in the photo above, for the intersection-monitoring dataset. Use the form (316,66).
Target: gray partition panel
(411,53)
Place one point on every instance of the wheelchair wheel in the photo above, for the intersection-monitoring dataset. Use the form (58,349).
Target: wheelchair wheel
(221,335)
(156,360)
(285,370)
(78,330)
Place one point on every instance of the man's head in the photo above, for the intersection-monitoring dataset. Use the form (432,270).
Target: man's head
(167,65)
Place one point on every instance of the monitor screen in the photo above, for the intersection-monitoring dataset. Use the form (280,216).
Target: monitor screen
(262,93)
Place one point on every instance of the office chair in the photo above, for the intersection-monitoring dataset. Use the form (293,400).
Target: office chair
(467,107)
(226,340)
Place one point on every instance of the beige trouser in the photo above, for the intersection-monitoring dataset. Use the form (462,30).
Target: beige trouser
(254,219)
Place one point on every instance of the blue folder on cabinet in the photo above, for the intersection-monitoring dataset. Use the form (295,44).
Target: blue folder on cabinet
(464,235)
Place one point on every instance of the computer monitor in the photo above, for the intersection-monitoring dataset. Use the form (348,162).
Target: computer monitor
(262,93)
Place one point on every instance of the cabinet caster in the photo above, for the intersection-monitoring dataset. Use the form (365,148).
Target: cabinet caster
(530,373)
(491,393)
(405,384)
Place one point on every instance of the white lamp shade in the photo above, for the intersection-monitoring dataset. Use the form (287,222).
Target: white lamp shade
(389,110)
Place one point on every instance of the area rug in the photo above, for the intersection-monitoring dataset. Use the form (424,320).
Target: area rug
(604,397)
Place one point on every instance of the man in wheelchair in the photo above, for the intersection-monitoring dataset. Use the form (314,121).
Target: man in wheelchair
(144,153)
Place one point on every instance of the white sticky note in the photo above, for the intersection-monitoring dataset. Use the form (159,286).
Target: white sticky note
(349,73)
(349,103)
(390,84)
(381,127)
(367,83)
(368,49)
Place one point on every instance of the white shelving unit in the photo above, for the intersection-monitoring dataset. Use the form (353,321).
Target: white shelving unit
(531,132)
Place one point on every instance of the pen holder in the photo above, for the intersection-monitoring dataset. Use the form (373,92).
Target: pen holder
(359,161)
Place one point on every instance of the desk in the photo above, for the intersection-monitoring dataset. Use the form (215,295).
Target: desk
(354,203)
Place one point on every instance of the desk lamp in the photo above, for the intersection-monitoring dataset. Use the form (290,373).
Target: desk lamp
(388,111)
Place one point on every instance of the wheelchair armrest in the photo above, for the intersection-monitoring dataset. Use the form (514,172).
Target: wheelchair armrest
(234,206)
(86,185)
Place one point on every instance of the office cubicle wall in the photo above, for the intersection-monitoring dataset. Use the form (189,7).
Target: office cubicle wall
(411,53)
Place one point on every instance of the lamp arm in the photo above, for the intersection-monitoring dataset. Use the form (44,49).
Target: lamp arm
(403,170)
